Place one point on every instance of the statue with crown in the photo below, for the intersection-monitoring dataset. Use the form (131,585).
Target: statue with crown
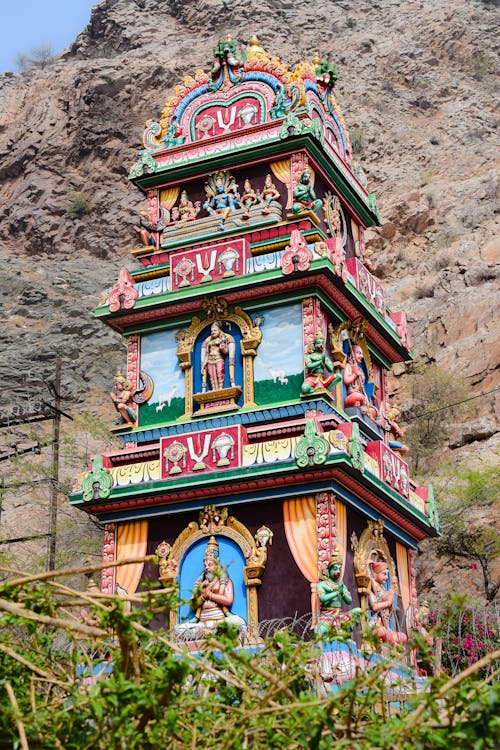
(212,597)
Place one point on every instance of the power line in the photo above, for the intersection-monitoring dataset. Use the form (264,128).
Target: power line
(450,406)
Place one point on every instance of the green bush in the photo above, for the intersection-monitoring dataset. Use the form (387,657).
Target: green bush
(80,671)
(358,140)
(78,204)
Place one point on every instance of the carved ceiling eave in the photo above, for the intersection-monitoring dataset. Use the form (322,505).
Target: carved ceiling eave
(330,167)
(222,491)
(323,282)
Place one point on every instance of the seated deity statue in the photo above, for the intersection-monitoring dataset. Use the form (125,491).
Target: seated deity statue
(187,209)
(214,350)
(304,196)
(249,198)
(381,604)
(121,396)
(146,229)
(388,420)
(212,597)
(224,199)
(269,193)
(316,363)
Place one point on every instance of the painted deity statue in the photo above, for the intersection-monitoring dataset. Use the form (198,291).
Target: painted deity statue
(425,652)
(212,597)
(304,196)
(249,198)
(173,136)
(222,202)
(146,229)
(214,350)
(354,380)
(187,210)
(332,591)
(121,396)
(316,363)
(388,420)
(381,603)
(269,193)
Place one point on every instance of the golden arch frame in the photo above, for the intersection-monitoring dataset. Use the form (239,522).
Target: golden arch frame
(251,336)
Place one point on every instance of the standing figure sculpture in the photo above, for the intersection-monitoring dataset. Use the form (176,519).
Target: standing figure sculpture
(212,596)
(121,396)
(269,193)
(381,603)
(304,195)
(214,350)
(332,591)
(223,200)
(316,363)
(354,380)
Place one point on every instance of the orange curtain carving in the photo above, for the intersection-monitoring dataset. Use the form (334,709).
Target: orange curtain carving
(300,528)
(403,574)
(131,541)
(282,170)
(341,529)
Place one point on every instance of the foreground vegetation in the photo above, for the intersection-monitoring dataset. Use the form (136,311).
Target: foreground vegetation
(84,670)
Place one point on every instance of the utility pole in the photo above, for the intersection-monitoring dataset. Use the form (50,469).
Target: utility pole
(54,487)
(42,411)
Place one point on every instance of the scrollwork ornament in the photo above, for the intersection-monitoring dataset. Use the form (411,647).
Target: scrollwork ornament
(97,484)
(356,452)
(145,165)
(291,126)
(312,449)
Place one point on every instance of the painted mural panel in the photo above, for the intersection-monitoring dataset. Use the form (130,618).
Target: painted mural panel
(159,359)
(279,364)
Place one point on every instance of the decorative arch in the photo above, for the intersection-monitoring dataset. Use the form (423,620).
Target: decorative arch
(251,335)
(234,110)
(372,547)
(216,522)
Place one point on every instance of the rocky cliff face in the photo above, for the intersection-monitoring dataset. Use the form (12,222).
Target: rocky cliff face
(416,86)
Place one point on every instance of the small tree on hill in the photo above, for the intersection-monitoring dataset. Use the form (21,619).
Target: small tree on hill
(38,57)
(467,538)
(437,397)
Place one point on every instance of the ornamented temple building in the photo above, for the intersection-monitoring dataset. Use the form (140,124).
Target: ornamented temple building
(261,457)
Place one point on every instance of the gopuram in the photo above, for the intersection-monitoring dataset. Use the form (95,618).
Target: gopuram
(261,456)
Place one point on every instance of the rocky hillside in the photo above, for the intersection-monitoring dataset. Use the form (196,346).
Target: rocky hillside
(417,89)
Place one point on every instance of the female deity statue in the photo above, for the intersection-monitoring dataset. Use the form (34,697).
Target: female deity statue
(248,199)
(381,603)
(121,396)
(354,380)
(269,193)
(215,348)
(187,210)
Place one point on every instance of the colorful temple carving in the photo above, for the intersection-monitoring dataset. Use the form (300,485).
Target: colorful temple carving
(254,405)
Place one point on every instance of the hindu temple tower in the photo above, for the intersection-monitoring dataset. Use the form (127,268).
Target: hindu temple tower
(253,409)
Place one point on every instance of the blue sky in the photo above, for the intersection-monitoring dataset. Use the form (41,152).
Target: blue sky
(25,24)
